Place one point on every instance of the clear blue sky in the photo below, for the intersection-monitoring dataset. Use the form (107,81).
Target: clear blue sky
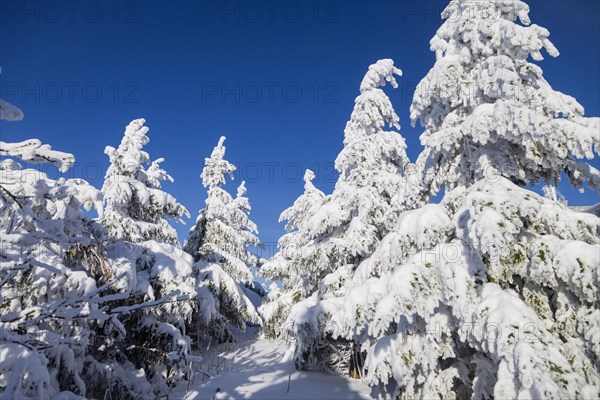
(198,70)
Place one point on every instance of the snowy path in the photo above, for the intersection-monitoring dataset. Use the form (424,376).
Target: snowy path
(258,369)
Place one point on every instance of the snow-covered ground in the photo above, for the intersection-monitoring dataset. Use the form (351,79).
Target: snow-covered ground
(260,369)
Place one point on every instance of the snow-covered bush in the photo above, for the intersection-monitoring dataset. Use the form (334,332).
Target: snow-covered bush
(220,244)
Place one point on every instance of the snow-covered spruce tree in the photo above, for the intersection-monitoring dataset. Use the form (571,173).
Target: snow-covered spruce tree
(50,262)
(493,293)
(136,209)
(286,267)
(143,348)
(220,244)
(488,111)
(350,222)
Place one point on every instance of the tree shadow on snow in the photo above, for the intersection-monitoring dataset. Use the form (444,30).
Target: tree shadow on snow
(256,370)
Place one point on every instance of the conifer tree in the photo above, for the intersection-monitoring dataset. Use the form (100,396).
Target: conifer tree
(155,289)
(50,262)
(493,292)
(348,225)
(288,267)
(487,111)
(136,208)
(220,244)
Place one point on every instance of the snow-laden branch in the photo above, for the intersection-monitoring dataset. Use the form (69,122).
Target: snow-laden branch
(34,151)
